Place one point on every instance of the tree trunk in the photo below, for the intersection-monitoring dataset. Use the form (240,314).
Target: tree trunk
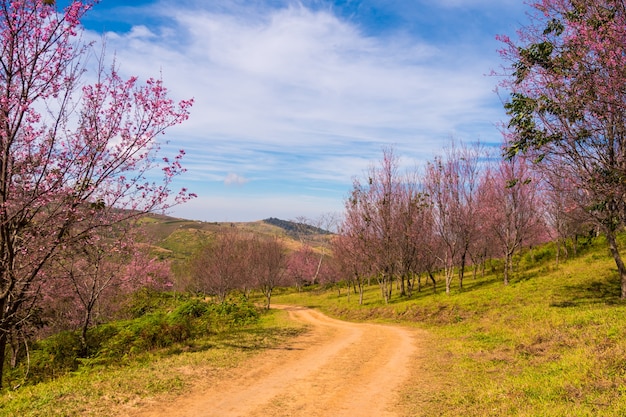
(83,332)
(384,290)
(268,298)
(432,278)
(319,266)
(508,266)
(3,348)
(448,279)
(360,295)
(462,270)
(558,251)
(410,284)
(621,269)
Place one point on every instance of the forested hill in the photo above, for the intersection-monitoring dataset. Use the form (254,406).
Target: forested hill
(295,228)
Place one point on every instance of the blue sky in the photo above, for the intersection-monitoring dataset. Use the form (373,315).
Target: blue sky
(295,98)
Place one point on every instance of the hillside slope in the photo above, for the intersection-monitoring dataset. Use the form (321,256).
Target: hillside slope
(179,238)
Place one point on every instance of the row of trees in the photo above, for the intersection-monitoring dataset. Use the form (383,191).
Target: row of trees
(464,208)
(236,260)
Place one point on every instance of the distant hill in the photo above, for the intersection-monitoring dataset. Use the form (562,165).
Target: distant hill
(296,228)
(176,238)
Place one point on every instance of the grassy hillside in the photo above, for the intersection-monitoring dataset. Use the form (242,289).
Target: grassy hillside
(179,238)
(552,343)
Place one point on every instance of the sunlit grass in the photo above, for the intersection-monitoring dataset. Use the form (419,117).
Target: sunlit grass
(111,391)
(552,343)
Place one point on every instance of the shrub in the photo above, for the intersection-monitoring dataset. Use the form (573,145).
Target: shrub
(146,301)
(160,321)
(53,356)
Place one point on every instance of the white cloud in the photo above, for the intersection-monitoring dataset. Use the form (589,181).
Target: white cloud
(292,92)
(234,179)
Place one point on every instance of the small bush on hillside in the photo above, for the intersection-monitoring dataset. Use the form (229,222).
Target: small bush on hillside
(147,301)
(55,355)
(167,321)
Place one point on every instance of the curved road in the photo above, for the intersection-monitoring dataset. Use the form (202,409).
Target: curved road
(336,369)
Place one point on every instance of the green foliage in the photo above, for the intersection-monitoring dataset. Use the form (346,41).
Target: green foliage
(54,356)
(145,301)
(192,318)
(158,321)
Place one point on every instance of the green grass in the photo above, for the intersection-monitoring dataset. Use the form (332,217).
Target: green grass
(163,373)
(552,343)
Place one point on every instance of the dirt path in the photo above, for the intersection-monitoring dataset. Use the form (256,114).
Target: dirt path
(335,369)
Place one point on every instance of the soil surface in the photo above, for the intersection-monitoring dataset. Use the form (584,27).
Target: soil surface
(335,369)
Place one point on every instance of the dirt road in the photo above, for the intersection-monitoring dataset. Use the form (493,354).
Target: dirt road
(335,369)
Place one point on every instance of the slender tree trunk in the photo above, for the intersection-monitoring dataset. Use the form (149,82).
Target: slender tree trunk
(483,264)
(319,266)
(268,298)
(508,266)
(432,278)
(14,344)
(83,331)
(409,290)
(462,270)
(383,289)
(3,348)
(619,262)
(360,293)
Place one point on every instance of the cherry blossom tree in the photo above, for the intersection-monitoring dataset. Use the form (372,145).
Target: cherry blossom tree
(373,207)
(95,274)
(412,230)
(452,181)
(304,228)
(270,263)
(303,266)
(350,247)
(219,267)
(566,81)
(512,207)
(565,215)
(74,156)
